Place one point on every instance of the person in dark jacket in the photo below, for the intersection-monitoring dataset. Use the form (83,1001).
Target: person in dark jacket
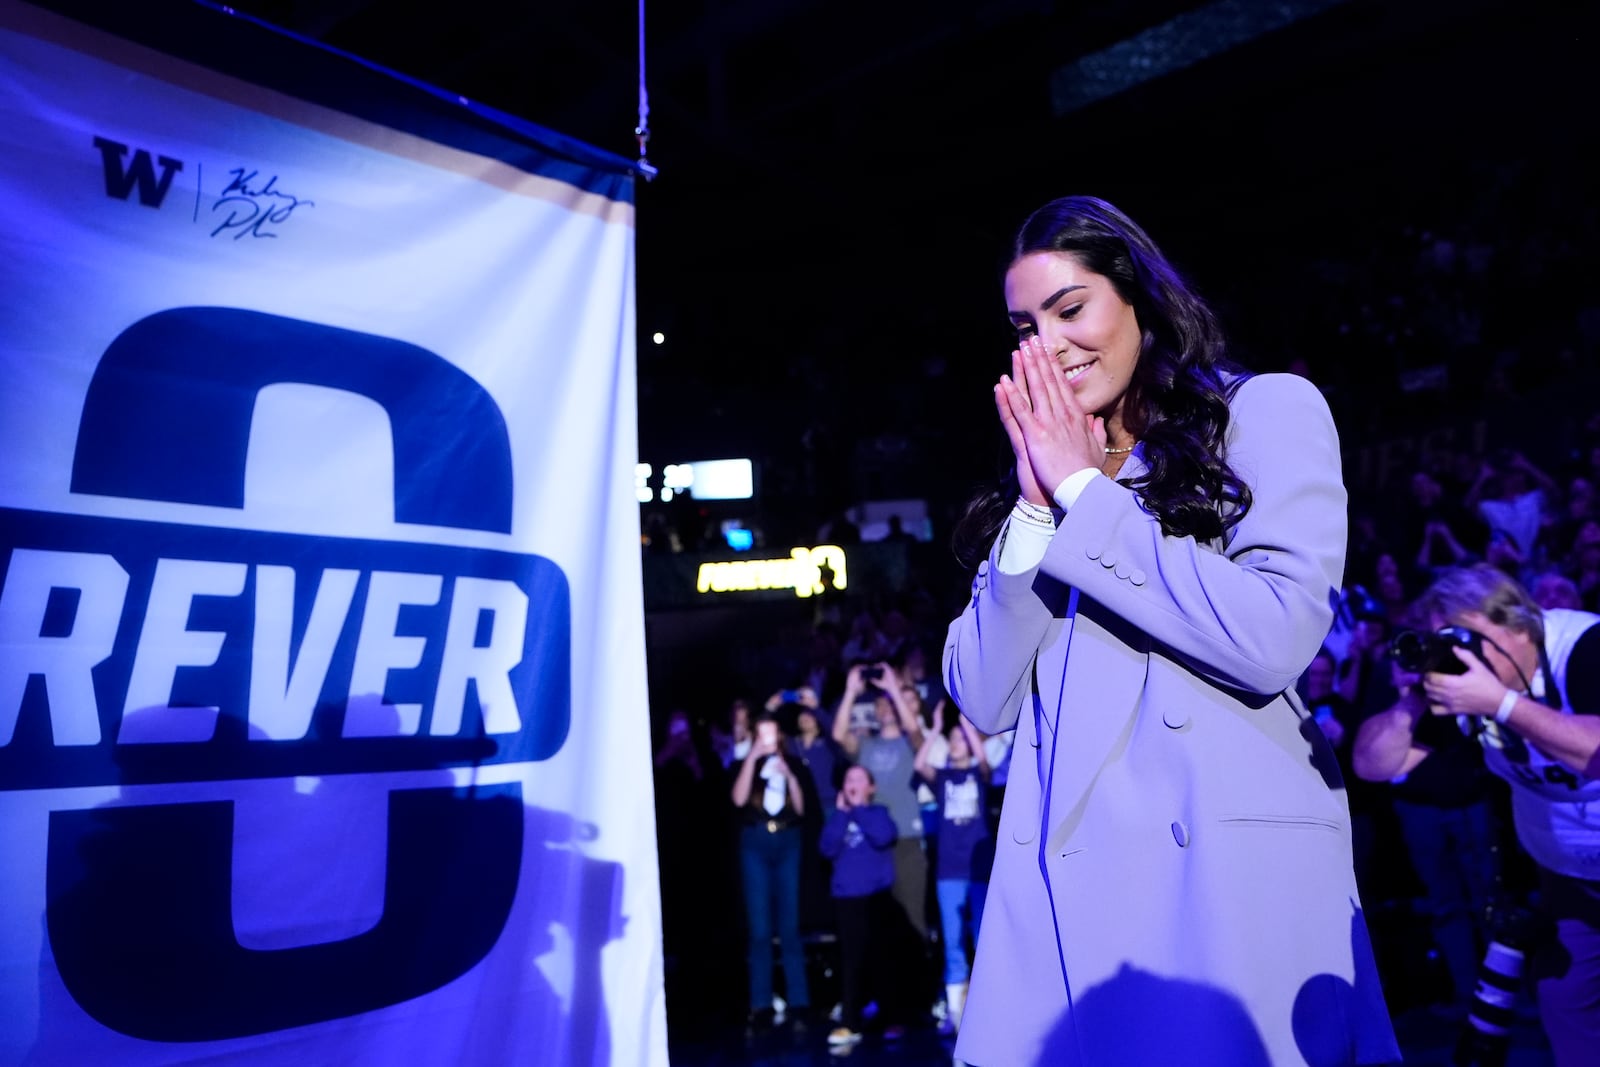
(859,838)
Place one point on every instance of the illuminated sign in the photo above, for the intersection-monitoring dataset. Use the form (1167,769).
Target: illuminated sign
(802,572)
(712,479)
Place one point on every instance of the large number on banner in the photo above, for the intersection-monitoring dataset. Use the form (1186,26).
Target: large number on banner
(137,652)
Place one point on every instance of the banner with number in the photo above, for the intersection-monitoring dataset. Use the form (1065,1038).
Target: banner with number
(323,727)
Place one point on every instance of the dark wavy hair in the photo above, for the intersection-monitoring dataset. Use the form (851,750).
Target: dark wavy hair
(1176,405)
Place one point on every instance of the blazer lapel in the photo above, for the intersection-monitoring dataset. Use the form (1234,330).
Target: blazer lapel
(1134,466)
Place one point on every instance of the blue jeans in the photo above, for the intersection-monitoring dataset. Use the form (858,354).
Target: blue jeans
(1452,850)
(770,863)
(955,894)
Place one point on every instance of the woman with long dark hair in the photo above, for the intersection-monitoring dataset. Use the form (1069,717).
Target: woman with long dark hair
(1173,878)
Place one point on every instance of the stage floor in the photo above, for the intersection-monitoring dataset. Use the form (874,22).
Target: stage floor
(1426,1039)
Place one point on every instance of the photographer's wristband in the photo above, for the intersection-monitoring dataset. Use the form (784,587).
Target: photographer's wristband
(1507,702)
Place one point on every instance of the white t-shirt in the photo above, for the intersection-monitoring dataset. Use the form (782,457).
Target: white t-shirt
(1556,810)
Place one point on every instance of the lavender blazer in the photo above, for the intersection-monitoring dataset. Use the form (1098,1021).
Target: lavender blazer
(1172,881)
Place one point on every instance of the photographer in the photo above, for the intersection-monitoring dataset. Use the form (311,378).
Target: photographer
(1527,684)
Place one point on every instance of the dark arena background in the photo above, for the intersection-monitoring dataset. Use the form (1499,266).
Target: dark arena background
(1395,200)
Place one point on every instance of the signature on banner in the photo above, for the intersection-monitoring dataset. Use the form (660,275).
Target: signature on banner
(248,206)
(254,208)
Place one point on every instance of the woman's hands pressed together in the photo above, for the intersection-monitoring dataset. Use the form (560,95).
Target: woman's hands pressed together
(1051,434)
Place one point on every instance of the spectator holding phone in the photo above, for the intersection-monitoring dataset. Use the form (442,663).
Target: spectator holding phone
(817,751)
(823,762)
(965,848)
(771,803)
(889,753)
(812,744)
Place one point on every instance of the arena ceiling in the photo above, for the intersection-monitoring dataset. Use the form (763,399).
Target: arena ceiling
(837,177)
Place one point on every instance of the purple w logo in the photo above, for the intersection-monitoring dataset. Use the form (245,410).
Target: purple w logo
(120,179)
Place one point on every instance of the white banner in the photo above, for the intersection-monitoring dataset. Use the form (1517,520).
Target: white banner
(323,723)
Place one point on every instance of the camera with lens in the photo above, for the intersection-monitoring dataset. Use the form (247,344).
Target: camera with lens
(1419,652)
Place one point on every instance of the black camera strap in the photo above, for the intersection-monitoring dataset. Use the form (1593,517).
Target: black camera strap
(1527,686)
(1551,697)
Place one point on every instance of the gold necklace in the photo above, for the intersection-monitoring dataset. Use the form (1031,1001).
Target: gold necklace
(1120,451)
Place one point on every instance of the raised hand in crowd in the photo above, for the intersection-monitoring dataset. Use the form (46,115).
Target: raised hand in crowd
(804,696)
(1437,534)
(907,704)
(766,752)
(857,683)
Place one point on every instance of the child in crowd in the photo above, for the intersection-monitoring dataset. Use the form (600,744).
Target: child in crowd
(965,847)
(860,837)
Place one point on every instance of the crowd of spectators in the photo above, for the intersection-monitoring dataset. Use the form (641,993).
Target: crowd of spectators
(1435,856)
(862,721)
(1462,362)
(870,873)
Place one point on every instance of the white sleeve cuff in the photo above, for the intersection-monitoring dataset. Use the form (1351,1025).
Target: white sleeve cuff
(1027,538)
(1072,487)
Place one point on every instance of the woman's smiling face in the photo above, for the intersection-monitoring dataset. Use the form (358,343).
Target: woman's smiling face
(1084,323)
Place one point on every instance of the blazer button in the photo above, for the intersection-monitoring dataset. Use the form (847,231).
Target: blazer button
(1122,571)
(1137,577)
(1180,834)
(1092,552)
(1176,717)
(1108,561)
(983,568)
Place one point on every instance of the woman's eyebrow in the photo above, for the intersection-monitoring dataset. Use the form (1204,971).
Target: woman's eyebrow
(1058,294)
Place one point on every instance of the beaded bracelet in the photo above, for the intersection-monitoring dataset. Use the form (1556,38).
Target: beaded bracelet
(1027,509)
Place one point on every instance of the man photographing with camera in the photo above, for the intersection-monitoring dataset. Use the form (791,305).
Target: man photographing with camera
(1526,683)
